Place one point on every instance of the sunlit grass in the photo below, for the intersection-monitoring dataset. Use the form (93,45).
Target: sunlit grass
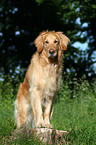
(77,115)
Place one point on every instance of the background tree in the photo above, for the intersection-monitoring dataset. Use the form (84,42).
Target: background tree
(22,21)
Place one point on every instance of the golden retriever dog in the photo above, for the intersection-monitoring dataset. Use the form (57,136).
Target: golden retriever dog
(42,80)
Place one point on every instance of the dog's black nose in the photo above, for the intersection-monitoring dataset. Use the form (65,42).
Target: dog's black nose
(51,51)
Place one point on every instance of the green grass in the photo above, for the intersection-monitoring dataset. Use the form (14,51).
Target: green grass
(77,116)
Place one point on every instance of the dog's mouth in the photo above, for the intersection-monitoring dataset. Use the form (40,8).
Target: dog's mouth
(52,53)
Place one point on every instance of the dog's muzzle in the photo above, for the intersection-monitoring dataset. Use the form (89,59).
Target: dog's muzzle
(52,53)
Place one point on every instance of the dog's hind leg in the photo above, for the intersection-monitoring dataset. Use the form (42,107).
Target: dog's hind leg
(23,113)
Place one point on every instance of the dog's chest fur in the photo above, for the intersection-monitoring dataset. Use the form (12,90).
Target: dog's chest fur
(50,83)
(46,78)
(50,79)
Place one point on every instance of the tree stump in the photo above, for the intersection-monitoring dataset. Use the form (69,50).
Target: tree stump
(46,135)
(52,136)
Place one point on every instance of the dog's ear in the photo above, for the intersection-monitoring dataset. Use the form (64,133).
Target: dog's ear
(64,40)
(39,41)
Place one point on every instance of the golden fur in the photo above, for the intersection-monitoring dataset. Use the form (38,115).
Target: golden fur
(42,80)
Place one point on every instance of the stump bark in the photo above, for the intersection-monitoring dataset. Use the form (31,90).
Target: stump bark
(46,135)
(52,136)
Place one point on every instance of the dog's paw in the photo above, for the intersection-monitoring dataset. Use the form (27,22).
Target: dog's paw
(48,126)
(40,125)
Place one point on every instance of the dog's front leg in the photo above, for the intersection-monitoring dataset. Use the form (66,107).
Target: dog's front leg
(47,114)
(36,108)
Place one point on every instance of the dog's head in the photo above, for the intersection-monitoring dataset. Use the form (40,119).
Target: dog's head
(51,42)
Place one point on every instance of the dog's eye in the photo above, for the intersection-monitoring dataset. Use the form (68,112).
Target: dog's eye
(46,42)
(56,41)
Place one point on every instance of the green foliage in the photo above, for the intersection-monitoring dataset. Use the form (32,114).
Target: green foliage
(22,21)
(39,1)
(8,89)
